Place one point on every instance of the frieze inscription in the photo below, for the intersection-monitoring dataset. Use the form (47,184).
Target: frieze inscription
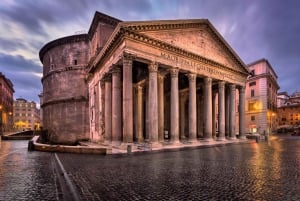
(196,67)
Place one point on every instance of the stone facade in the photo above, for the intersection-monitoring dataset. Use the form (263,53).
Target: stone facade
(6,104)
(158,80)
(26,115)
(147,80)
(261,98)
(288,109)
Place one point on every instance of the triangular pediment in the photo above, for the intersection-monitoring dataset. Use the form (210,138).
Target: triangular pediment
(196,36)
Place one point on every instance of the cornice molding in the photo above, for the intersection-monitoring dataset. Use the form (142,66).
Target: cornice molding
(65,69)
(66,100)
(180,51)
(62,41)
(132,31)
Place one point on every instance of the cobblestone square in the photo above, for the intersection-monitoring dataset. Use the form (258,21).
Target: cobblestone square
(252,171)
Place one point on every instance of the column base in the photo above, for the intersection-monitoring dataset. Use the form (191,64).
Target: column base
(210,139)
(221,139)
(176,142)
(232,138)
(193,141)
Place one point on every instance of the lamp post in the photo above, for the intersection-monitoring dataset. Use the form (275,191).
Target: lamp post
(272,119)
(1,121)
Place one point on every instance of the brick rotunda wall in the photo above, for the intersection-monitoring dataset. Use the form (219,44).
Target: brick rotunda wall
(65,91)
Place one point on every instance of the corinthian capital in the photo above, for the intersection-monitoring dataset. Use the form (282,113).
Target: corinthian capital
(174,72)
(192,77)
(153,67)
(127,58)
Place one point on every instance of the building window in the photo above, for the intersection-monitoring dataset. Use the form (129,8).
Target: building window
(252,84)
(252,118)
(75,62)
(252,72)
(252,92)
(251,106)
(283,119)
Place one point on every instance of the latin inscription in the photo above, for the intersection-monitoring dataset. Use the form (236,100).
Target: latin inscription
(196,67)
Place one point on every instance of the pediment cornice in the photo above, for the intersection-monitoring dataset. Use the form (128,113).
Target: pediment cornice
(134,31)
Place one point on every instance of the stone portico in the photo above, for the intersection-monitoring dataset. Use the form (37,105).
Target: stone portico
(158,80)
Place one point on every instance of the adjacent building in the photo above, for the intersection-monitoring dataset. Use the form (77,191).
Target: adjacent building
(26,115)
(288,109)
(261,97)
(6,104)
(126,82)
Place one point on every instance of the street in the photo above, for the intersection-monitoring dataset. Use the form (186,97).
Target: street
(254,171)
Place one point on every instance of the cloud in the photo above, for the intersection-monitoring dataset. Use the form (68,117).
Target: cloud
(23,74)
(255,29)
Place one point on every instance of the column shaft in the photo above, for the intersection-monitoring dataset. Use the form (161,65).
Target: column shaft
(192,108)
(127,100)
(153,103)
(242,112)
(174,113)
(182,100)
(160,108)
(116,106)
(207,108)
(227,101)
(221,110)
(139,113)
(214,114)
(232,112)
(108,111)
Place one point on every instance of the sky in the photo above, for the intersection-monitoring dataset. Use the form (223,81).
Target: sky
(255,29)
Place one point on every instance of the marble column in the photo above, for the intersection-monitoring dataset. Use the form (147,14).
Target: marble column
(200,116)
(174,113)
(221,110)
(182,100)
(207,108)
(139,113)
(116,109)
(161,107)
(153,103)
(192,108)
(232,112)
(127,99)
(108,109)
(214,94)
(242,112)
(227,101)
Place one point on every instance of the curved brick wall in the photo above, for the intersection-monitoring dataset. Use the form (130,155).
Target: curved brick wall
(65,91)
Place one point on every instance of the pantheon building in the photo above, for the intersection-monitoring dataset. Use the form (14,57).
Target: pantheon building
(155,81)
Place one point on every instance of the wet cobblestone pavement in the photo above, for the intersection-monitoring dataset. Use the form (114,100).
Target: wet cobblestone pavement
(263,171)
(255,171)
(26,175)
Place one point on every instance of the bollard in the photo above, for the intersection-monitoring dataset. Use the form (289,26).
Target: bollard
(30,145)
(129,147)
(257,139)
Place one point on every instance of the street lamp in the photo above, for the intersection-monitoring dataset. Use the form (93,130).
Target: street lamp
(1,121)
